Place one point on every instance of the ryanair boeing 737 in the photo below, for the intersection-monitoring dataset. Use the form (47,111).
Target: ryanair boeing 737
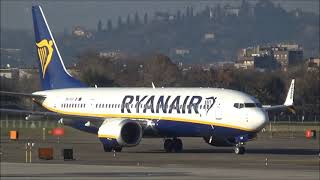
(120,117)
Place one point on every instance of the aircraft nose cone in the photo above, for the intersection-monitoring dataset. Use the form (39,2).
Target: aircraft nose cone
(261,118)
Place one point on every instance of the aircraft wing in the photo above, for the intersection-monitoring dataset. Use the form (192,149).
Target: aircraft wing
(42,115)
(32,114)
(18,94)
(21,111)
(288,104)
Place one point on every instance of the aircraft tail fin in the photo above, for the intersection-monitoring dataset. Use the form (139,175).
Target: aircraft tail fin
(288,103)
(53,73)
(289,99)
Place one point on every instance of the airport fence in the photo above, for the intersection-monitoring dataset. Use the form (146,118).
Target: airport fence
(24,124)
(294,118)
(19,121)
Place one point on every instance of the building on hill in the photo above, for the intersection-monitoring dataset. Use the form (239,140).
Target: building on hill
(182,51)
(210,36)
(270,57)
(288,55)
(245,63)
(231,11)
(313,64)
(113,54)
(16,73)
(81,32)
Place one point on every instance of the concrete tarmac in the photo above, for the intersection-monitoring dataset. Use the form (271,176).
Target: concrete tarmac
(266,158)
(74,171)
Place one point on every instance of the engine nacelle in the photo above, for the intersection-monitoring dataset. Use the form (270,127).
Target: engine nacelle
(125,132)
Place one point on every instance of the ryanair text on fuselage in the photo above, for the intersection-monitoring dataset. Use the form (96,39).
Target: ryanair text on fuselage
(165,104)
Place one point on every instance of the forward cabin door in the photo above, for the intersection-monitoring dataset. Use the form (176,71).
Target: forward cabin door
(218,111)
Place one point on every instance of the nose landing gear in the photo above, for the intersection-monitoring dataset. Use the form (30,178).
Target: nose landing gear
(110,149)
(239,148)
(239,144)
(173,145)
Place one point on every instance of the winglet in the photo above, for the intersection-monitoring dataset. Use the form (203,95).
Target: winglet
(289,99)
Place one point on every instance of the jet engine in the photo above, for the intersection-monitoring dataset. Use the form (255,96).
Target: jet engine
(120,132)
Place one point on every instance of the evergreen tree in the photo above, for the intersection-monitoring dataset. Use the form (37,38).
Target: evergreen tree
(191,11)
(179,15)
(109,24)
(145,18)
(188,12)
(136,19)
(119,22)
(128,20)
(244,8)
(99,26)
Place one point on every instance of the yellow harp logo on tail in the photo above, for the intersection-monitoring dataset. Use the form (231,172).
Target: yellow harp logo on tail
(45,51)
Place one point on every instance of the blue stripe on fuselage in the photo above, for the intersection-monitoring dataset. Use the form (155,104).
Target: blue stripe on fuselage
(186,129)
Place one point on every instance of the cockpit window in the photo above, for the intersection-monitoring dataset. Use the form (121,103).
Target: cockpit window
(236,105)
(249,105)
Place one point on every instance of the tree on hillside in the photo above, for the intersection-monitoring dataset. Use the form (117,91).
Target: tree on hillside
(109,25)
(145,18)
(136,19)
(119,22)
(99,26)
(160,70)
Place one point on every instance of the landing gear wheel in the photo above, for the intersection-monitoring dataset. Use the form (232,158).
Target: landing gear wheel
(239,150)
(173,145)
(168,145)
(177,145)
(117,149)
(107,149)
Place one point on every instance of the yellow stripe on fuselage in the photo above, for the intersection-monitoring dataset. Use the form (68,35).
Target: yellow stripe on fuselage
(140,116)
(107,136)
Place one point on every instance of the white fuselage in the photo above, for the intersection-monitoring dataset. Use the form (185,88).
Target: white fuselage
(210,106)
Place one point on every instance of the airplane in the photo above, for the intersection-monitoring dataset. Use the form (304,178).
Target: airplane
(121,117)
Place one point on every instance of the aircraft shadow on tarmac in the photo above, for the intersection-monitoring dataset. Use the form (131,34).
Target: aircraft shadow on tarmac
(295,151)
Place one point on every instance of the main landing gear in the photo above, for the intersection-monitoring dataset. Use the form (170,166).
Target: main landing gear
(173,145)
(239,148)
(110,149)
